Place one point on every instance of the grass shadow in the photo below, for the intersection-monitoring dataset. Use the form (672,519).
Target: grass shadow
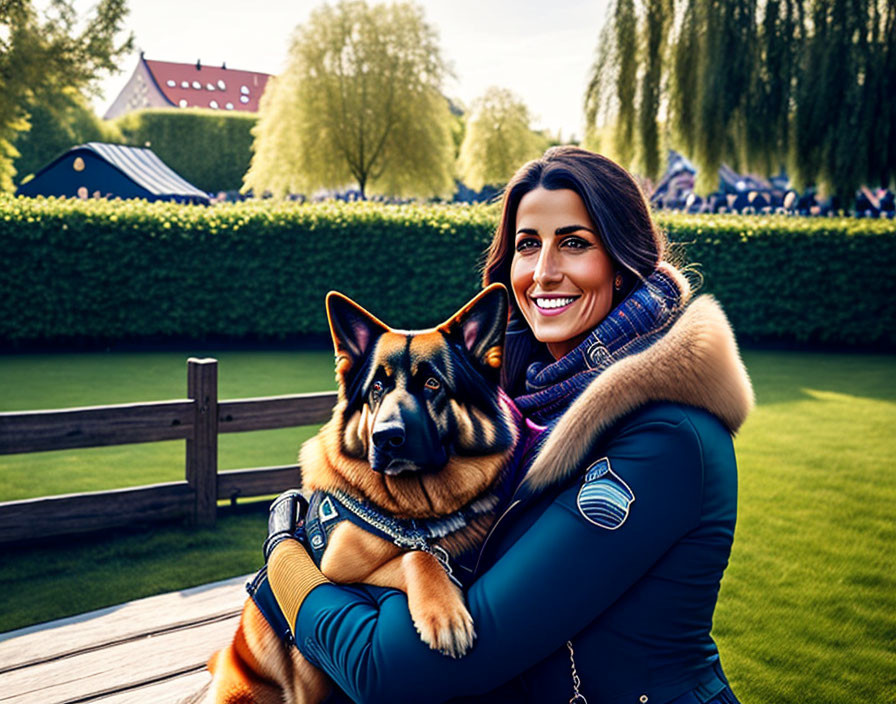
(783,377)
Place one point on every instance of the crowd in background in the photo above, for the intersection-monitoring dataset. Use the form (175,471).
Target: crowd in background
(748,194)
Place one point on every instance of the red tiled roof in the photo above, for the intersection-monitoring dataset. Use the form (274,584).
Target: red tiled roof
(208,86)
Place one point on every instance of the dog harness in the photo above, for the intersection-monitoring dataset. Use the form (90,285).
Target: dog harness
(327,510)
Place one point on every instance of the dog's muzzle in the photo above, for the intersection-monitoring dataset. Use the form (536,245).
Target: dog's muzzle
(406,445)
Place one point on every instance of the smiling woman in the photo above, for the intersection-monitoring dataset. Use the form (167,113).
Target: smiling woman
(575,237)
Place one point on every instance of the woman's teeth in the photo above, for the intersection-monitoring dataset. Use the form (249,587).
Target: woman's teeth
(548,303)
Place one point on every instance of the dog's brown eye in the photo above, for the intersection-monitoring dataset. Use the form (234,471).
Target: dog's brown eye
(433,384)
(376,390)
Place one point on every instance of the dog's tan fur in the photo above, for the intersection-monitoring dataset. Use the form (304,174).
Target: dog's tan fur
(257,666)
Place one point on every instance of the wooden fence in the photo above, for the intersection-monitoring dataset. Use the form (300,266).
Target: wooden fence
(198,419)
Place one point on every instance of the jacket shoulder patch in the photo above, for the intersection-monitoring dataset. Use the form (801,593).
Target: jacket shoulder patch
(604,498)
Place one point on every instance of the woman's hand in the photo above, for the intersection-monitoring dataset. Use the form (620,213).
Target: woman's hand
(286,520)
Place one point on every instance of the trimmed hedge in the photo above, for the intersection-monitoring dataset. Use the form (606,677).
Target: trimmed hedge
(116,270)
(131,269)
(780,278)
(211,149)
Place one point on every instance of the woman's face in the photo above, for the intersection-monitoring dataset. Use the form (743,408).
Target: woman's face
(561,275)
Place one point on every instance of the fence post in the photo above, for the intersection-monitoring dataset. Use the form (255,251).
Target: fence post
(202,448)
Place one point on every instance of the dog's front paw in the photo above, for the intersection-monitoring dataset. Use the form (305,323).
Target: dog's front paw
(445,625)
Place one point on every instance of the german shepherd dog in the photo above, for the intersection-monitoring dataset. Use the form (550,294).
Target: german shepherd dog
(423,435)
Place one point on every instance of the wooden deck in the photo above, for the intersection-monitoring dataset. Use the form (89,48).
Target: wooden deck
(150,650)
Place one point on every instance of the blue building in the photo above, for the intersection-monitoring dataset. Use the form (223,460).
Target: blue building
(103,170)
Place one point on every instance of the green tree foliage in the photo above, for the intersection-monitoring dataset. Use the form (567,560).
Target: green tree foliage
(621,120)
(658,16)
(360,101)
(47,54)
(845,120)
(626,80)
(211,149)
(58,122)
(806,84)
(498,139)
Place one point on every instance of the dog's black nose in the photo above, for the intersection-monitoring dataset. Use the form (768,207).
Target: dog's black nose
(388,436)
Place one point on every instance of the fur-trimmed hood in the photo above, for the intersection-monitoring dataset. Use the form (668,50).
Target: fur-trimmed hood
(696,363)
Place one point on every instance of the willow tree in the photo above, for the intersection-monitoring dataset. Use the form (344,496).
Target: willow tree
(772,86)
(845,121)
(360,102)
(625,85)
(725,47)
(498,139)
(658,17)
(626,51)
(759,85)
(45,54)
(601,99)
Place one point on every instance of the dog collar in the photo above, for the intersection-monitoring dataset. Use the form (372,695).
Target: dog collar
(328,509)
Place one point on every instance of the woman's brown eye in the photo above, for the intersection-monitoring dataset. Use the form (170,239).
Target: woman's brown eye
(433,384)
(575,243)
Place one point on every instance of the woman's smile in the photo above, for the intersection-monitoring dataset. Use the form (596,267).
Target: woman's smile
(553,305)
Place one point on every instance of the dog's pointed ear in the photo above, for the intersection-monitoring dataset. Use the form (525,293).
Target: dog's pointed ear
(353,329)
(480,326)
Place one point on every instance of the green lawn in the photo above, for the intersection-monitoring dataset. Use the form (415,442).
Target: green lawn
(32,382)
(807,611)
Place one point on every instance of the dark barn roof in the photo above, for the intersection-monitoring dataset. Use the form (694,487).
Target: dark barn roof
(111,171)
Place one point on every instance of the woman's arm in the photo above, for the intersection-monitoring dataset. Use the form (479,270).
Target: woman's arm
(552,582)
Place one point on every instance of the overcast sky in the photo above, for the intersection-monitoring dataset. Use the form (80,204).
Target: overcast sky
(541,50)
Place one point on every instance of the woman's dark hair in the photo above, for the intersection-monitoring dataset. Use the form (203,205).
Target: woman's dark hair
(617,207)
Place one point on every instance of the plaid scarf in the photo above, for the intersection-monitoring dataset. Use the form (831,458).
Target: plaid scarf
(635,324)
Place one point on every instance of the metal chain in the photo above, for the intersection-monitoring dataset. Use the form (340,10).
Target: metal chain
(387,525)
(415,540)
(577,696)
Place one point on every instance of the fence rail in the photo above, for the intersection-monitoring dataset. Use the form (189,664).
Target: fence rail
(39,431)
(199,420)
